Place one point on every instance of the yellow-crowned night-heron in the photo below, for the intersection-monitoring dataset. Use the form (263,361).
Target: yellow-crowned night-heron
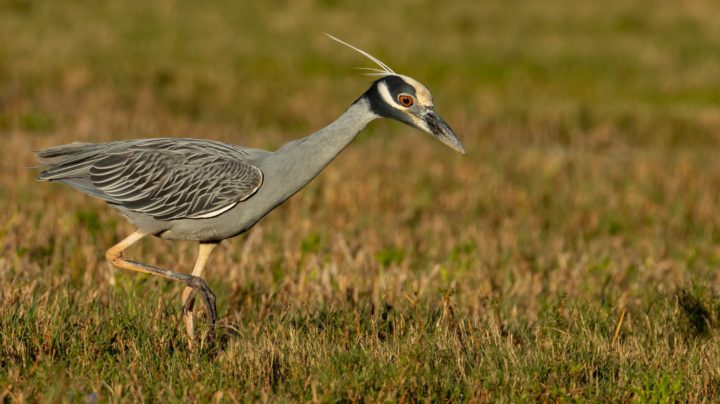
(191,189)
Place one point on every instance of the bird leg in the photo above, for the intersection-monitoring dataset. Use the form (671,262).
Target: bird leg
(188,296)
(197,284)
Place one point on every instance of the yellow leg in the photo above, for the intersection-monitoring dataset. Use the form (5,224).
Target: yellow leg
(188,297)
(194,283)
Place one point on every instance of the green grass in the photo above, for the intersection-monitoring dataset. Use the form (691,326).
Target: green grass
(404,272)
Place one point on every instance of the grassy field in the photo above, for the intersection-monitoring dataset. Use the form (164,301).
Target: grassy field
(572,254)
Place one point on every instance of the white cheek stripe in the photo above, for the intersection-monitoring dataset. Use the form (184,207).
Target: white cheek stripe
(385,94)
(423,95)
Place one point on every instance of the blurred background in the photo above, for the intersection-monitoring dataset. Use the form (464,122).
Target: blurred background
(590,186)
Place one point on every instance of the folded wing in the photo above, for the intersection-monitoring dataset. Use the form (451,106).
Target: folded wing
(167,179)
(169,186)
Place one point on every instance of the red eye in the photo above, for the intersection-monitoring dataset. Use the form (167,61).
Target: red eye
(405,100)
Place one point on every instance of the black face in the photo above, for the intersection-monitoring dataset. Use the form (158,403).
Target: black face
(395,86)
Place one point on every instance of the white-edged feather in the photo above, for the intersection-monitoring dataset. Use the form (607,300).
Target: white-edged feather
(375,72)
(214,213)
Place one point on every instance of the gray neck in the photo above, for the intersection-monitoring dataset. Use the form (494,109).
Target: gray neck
(299,161)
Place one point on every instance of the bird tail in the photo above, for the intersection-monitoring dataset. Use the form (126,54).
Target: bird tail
(70,164)
(68,161)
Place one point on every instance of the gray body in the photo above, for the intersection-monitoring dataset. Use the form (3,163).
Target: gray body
(284,172)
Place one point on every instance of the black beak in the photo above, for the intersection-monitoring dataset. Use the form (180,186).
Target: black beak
(440,129)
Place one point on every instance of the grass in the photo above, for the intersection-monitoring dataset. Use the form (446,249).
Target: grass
(572,254)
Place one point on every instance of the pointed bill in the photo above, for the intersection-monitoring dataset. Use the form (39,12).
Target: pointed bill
(440,129)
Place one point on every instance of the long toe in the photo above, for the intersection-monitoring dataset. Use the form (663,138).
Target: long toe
(189,302)
(187,315)
(199,285)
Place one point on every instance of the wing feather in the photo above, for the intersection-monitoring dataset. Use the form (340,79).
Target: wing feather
(176,181)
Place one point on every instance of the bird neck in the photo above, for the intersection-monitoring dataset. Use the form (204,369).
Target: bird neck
(332,139)
(304,158)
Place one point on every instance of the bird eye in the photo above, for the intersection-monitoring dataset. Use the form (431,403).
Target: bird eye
(405,100)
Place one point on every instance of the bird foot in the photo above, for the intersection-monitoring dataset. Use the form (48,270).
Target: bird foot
(199,286)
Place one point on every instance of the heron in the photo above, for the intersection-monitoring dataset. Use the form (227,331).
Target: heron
(208,191)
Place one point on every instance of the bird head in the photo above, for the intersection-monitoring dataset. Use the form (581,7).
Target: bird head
(406,100)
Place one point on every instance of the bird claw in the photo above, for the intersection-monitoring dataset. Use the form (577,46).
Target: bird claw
(199,285)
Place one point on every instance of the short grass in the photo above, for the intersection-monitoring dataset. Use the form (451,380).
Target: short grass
(572,254)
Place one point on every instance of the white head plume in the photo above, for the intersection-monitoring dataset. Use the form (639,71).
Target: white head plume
(385,69)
